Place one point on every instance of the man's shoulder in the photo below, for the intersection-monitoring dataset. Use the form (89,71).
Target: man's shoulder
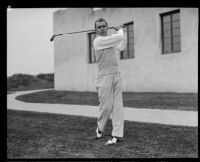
(97,39)
(100,38)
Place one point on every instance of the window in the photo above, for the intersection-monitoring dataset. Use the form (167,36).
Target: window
(129,51)
(92,57)
(170,28)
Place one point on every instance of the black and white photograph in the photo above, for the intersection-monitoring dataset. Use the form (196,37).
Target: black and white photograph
(102,83)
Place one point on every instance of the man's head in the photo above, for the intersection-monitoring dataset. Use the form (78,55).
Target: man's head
(101,27)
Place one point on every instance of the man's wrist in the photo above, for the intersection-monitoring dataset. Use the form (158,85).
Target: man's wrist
(116,29)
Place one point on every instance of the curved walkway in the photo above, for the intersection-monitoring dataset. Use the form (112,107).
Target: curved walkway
(169,117)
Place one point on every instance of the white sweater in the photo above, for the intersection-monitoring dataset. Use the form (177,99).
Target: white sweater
(106,48)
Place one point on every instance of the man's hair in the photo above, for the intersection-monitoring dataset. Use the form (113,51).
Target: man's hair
(100,20)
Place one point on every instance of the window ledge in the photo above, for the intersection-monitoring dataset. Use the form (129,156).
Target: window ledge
(168,53)
(127,58)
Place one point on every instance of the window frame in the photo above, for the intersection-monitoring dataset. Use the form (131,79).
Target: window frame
(162,15)
(121,53)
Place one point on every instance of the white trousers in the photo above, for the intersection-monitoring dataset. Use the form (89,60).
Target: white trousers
(109,89)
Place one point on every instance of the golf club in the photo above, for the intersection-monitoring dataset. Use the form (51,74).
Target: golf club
(52,38)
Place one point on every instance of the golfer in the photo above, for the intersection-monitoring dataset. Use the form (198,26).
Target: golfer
(108,81)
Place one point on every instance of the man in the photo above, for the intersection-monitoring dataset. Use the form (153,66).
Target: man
(108,81)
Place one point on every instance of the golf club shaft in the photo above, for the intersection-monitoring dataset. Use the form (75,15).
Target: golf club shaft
(74,33)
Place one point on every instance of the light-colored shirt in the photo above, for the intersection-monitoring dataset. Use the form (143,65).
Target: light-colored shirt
(106,48)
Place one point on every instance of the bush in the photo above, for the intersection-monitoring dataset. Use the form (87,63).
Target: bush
(24,81)
(41,76)
(17,80)
(11,83)
(48,77)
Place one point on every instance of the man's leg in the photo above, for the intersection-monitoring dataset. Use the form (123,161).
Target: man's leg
(117,112)
(105,93)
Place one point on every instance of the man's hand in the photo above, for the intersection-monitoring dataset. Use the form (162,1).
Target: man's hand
(119,27)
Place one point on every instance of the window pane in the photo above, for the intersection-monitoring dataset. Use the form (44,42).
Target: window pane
(176,16)
(177,47)
(167,41)
(131,40)
(131,54)
(130,27)
(166,19)
(167,26)
(176,39)
(167,48)
(121,55)
(124,54)
(130,37)
(176,24)
(130,33)
(176,31)
(92,54)
(167,33)
(131,46)
(131,51)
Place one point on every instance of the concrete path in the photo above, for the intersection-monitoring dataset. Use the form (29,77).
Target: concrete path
(169,117)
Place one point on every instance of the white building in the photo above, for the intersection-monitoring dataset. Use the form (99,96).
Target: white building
(161,56)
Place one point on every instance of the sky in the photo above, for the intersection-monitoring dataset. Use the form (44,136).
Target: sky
(29,50)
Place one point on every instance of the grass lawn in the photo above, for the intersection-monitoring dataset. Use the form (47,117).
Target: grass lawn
(173,101)
(39,84)
(43,135)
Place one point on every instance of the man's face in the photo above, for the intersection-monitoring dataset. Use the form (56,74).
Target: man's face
(101,28)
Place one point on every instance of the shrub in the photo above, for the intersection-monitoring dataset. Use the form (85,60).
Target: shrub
(24,81)
(48,77)
(17,80)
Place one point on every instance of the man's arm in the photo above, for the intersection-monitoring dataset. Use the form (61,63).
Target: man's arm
(123,44)
(108,41)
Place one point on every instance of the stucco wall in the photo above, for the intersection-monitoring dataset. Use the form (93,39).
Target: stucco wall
(148,71)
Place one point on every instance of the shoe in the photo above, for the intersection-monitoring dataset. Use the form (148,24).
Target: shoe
(99,133)
(112,141)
